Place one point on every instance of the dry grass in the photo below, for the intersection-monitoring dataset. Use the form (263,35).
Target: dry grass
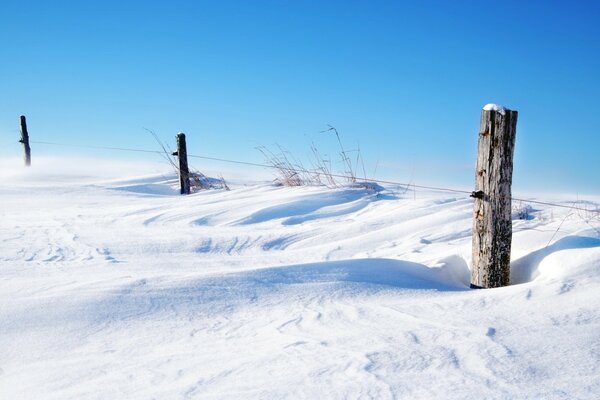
(291,172)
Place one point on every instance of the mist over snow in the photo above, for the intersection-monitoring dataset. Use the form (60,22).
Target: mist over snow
(113,286)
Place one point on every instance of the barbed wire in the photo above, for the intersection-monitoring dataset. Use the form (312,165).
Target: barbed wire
(370,179)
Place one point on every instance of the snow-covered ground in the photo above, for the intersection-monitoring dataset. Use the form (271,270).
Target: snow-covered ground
(123,289)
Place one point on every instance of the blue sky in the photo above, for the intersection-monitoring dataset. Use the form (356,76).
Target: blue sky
(405,81)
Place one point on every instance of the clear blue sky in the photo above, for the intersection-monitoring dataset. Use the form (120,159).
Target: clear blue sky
(405,80)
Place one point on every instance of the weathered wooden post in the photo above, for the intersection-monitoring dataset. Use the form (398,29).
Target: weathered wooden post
(25,141)
(184,173)
(492,222)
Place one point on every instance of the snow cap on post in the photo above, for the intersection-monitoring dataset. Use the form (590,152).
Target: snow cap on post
(495,107)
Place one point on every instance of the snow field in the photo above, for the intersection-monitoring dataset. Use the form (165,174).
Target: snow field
(124,289)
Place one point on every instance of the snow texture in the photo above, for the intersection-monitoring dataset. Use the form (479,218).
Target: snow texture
(495,107)
(123,289)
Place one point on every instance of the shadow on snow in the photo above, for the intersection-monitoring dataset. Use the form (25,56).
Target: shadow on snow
(326,280)
(322,205)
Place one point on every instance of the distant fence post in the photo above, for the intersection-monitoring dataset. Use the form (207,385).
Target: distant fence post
(25,141)
(184,173)
(492,222)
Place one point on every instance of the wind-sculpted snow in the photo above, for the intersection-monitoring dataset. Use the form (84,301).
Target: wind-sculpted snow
(527,268)
(122,289)
(149,189)
(322,205)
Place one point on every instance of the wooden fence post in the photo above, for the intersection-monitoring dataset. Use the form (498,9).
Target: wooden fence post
(492,222)
(184,173)
(25,141)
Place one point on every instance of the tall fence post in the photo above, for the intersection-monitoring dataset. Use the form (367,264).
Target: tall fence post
(25,141)
(492,222)
(184,173)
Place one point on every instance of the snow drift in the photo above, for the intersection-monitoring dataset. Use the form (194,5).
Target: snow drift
(121,288)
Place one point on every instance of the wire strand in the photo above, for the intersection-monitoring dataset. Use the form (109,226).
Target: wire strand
(254,164)
(331,174)
(11,143)
(96,147)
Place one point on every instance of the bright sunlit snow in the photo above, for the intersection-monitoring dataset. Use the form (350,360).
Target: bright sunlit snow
(116,287)
(495,107)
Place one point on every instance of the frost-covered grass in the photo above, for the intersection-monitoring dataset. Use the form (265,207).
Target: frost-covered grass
(120,288)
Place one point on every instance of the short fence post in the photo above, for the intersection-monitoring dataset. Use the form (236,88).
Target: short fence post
(492,222)
(25,141)
(184,173)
